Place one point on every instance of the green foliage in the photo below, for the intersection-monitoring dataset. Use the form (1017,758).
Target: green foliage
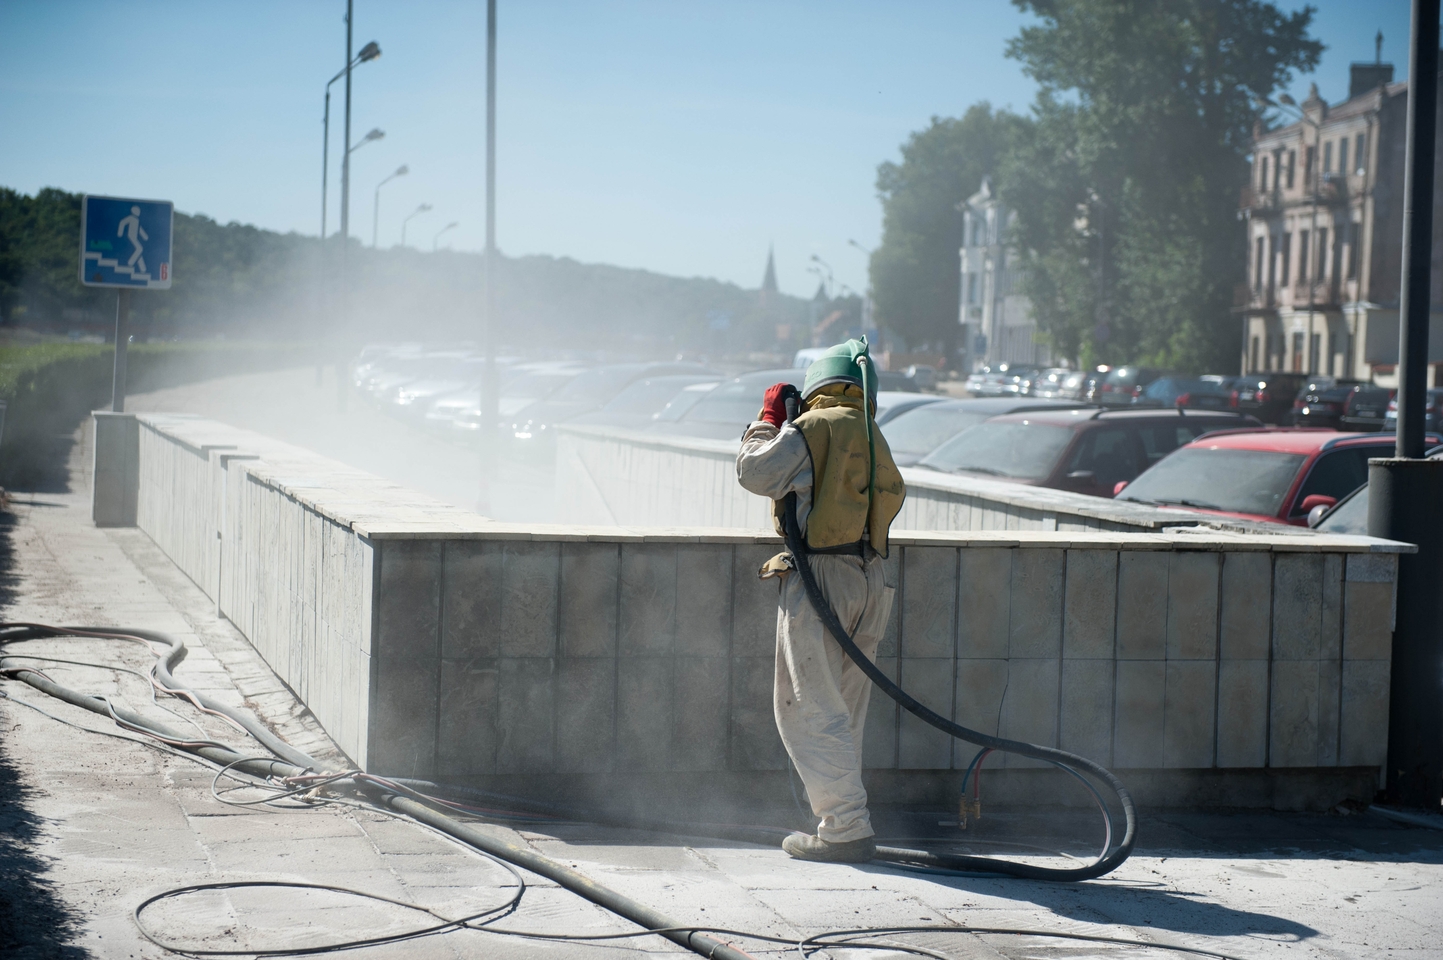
(236,280)
(914,270)
(1126,182)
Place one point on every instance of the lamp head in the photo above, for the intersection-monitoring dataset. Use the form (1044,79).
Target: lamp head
(401,171)
(1286,99)
(371,51)
(376,134)
(424,208)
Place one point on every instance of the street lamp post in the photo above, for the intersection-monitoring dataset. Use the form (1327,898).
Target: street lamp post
(437,237)
(867,323)
(370,51)
(401,171)
(825,267)
(423,208)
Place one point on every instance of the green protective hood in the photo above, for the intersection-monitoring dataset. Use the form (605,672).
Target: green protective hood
(839,365)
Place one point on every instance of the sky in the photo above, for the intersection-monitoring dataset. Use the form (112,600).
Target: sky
(677,136)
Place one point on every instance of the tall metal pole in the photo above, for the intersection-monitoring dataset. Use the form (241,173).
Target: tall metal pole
(122,342)
(1405,493)
(345,318)
(490,402)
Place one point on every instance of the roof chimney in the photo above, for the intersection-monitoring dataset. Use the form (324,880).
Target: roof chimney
(1367,77)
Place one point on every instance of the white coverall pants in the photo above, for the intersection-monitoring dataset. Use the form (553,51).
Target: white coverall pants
(821,695)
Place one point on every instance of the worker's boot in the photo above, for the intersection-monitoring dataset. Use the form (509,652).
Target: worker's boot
(803,847)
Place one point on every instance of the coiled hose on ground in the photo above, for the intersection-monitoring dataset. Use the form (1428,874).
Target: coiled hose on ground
(426,803)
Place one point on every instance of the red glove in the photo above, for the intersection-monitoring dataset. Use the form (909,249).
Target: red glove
(774,404)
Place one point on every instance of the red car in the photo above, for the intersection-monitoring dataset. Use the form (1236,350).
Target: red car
(1268,474)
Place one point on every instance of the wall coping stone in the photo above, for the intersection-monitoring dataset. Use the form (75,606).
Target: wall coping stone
(379,509)
(1024,495)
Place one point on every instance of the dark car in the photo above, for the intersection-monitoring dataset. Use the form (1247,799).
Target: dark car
(1350,514)
(1321,403)
(1124,384)
(1366,408)
(893,403)
(1274,475)
(639,404)
(722,412)
(1432,404)
(916,433)
(1085,450)
(1184,392)
(1268,396)
(535,424)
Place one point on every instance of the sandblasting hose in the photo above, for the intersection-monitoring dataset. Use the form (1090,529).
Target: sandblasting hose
(170,652)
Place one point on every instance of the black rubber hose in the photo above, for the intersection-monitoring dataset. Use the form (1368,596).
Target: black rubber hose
(1103,865)
(515,854)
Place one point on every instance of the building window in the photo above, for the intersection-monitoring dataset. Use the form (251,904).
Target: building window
(1353,234)
(1333,346)
(1322,273)
(1328,157)
(1286,257)
(1315,344)
(1302,256)
(972,287)
(1292,163)
(1297,353)
(1307,168)
(1253,359)
(1258,269)
(1343,156)
(1263,174)
(1358,156)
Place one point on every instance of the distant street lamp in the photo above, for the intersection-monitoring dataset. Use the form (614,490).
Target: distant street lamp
(423,208)
(401,171)
(437,237)
(867,323)
(370,51)
(823,264)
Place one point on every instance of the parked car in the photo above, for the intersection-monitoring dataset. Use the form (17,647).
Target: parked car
(722,412)
(528,383)
(1056,383)
(1321,404)
(1124,384)
(1198,393)
(1366,408)
(1431,406)
(1000,379)
(1086,450)
(921,430)
(1267,396)
(639,404)
(891,404)
(1275,475)
(535,423)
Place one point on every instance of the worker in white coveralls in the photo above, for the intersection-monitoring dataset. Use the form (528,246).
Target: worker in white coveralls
(848,490)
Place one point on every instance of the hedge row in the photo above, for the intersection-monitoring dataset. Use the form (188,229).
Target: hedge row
(50,387)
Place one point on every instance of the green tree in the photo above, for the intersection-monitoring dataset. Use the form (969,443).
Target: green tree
(1126,184)
(914,270)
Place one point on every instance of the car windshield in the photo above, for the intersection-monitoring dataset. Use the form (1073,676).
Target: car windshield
(1351,516)
(647,397)
(1168,389)
(677,406)
(736,401)
(536,386)
(596,386)
(1018,450)
(1239,481)
(923,430)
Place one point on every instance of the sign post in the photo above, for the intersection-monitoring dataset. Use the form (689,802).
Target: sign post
(125,244)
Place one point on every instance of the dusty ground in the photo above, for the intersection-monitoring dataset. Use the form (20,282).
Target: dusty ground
(93,825)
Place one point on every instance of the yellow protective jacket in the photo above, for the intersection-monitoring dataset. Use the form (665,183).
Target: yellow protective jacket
(835,428)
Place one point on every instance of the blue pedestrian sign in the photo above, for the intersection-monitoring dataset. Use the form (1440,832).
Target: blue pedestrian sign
(125,243)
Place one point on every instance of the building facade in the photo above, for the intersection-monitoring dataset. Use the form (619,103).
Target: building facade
(1325,226)
(996,318)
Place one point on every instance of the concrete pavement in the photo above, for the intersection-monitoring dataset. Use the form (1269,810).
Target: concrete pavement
(93,825)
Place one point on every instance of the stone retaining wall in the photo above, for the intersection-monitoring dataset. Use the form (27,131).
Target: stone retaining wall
(432,642)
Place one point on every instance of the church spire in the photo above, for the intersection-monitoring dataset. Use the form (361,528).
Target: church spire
(769,279)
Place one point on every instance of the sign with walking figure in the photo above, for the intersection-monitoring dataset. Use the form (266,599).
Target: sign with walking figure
(125,243)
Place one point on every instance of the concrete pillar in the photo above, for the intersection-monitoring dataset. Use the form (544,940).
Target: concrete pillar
(115,479)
